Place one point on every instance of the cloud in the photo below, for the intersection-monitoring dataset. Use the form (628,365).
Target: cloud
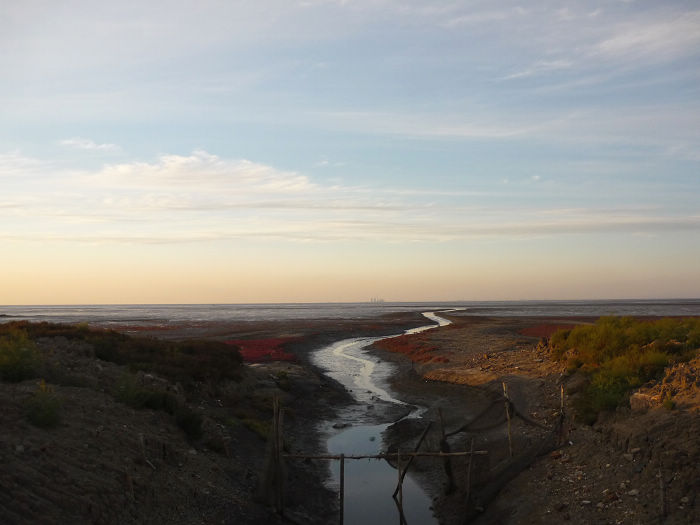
(666,39)
(202,171)
(483,17)
(540,67)
(433,125)
(87,144)
(206,198)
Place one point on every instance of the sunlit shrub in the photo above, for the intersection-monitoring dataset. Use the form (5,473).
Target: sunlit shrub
(619,354)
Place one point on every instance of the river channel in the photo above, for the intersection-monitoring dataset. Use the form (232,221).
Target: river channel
(369,484)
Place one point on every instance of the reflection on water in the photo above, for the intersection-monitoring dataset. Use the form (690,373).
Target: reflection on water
(369,483)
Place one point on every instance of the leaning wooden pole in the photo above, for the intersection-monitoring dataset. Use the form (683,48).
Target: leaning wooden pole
(399,500)
(410,459)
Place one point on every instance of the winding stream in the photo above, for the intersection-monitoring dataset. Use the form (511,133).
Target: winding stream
(369,484)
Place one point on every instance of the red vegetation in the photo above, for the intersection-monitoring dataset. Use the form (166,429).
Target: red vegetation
(545,329)
(264,350)
(416,348)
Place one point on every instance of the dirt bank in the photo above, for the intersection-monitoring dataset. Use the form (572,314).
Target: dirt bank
(630,467)
(107,462)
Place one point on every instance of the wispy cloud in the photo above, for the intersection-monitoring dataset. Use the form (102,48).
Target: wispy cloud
(540,67)
(206,198)
(669,38)
(87,144)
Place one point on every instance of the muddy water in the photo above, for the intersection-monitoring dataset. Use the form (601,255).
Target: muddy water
(369,484)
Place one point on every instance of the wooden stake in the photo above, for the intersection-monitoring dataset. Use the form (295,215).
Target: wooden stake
(469,470)
(507,402)
(445,448)
(277,454)
(341,496)
(398,468)
(561,403)
(662,494)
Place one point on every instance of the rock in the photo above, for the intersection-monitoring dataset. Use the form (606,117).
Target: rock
(641,402)
(628,457)
(585,502)
(685,499)
(633,492)
(635,450)
(341,425)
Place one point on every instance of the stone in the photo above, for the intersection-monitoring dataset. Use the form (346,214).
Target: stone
(628,457)
(641,402)
(633,492)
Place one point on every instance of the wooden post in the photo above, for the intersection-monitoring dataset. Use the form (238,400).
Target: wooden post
(561,434)
(277,457)
(445,447)
(507,402)
(469,470)
(341,495)
(662,496)
(398,468)
(561,402)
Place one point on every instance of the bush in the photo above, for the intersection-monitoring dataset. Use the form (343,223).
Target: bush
(621,354)
(132,394)
(19,357)
(43,409)
(183,361)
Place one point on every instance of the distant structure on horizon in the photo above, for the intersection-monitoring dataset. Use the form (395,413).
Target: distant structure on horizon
(376,300)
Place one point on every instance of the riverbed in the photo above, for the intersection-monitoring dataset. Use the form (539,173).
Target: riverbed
(369,483)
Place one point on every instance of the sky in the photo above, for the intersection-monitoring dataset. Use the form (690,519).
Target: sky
(340,150)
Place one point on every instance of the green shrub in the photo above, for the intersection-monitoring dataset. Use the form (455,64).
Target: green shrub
(19,357)
(132,394)
(668,402)
(43,409)
(183,361)
(620,354)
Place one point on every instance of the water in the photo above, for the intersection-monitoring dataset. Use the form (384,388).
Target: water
(178,313)
(369,484)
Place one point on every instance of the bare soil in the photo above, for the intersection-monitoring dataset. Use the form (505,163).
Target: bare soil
(107,463)
(631,467)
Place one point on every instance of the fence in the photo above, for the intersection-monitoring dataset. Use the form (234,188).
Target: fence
(272,486)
